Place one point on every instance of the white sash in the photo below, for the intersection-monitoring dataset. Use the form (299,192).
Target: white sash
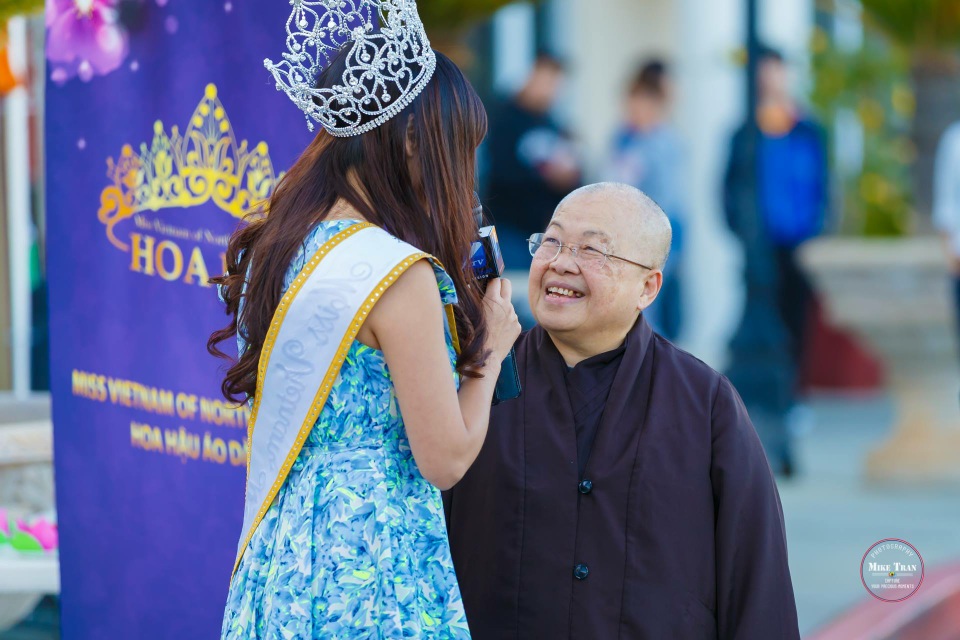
(306,344)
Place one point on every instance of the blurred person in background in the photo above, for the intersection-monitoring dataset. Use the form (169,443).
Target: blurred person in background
(648,154)
(946,202)
(792,183)
(533,161)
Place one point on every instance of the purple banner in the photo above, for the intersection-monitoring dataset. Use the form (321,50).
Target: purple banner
(162,129)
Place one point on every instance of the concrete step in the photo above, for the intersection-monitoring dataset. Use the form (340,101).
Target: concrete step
(32,409)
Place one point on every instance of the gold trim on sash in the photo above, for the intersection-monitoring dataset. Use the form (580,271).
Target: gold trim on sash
(452,323)
(326,387)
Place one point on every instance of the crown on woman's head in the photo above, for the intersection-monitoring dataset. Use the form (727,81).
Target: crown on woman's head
(387,66)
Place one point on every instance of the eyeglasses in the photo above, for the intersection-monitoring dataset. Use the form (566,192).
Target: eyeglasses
(548,249)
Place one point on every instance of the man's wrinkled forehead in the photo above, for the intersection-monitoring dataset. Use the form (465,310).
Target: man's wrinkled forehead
(573,230)
(593,216)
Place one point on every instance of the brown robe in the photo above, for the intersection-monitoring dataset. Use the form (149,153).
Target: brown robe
(678,535)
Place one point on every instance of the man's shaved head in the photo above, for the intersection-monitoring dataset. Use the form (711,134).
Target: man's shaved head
(647,234)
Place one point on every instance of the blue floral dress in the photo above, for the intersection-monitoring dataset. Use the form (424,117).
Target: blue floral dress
(355,544)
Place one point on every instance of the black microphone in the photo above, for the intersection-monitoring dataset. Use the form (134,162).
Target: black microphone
(486,259)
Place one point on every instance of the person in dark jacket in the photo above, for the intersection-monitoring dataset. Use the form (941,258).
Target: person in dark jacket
(533,161)
(625,494)
(791,176)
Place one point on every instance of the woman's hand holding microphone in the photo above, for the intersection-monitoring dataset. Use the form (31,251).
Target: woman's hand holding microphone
(503,326)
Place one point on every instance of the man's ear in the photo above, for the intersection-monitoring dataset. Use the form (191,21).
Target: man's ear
(651,288)
(410,142)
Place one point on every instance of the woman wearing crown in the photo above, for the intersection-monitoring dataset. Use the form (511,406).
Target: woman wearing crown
(369,365)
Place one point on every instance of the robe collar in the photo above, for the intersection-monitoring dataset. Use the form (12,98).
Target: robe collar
(547,403)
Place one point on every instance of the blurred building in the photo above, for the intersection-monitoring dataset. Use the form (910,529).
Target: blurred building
(24,350)
(601,41)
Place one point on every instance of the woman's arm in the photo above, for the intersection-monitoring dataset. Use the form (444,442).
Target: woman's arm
(445,429)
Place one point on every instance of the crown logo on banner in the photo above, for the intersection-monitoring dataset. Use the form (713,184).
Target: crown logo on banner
(204,164)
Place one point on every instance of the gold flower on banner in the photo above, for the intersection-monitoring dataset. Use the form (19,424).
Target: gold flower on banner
(205,163)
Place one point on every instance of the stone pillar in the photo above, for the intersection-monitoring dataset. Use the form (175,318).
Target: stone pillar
(710,106)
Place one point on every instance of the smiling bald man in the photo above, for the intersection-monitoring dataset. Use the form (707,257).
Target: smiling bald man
(625,494)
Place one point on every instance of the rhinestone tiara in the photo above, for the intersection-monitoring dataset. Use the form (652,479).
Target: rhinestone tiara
(389,62)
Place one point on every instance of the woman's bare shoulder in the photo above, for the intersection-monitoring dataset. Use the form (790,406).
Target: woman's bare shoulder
(409,302)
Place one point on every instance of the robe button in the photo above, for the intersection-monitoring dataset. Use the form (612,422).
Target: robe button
(581,571)
(585,487)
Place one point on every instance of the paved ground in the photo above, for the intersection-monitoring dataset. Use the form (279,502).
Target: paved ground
(832,516)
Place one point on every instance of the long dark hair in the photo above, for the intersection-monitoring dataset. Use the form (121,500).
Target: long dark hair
(446,124)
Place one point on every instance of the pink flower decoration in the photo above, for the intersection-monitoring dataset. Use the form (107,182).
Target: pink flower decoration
(4,522)
(43,530)
(84,38)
